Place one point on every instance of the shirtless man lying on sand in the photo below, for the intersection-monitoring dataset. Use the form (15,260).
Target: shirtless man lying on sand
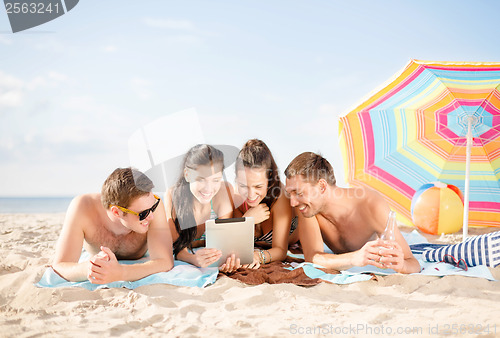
(123,222)
(347,220)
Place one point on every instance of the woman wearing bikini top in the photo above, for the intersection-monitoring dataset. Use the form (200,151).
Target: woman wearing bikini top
(261,195)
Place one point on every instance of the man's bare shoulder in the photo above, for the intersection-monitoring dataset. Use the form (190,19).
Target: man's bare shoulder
(87,201)
(85,207)
(375,207)
(367,196)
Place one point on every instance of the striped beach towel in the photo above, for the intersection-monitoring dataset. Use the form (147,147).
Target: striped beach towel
(477,250)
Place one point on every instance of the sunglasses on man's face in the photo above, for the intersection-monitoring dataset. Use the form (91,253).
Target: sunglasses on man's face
(453,261)
(143,214)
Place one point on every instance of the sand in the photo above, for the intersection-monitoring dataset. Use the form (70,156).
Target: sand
(397,305)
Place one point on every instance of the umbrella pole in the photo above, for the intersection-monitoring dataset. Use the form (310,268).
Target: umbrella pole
(467,178)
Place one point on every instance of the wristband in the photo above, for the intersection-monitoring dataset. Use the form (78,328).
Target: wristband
(262,259)
(270,257)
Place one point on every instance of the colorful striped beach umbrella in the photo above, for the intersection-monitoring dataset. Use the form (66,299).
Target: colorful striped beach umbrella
(434,121)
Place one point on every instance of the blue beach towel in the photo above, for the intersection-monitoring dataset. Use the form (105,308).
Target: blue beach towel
(418,244)
(182,274)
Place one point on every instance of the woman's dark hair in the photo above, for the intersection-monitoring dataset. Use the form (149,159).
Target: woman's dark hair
(256,155)
(182,198)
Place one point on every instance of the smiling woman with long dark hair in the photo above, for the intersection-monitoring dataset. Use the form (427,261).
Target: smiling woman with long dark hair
(198,195)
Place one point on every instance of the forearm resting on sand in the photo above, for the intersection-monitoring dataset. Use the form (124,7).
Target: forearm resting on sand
(356,258)
(333,261)
(411,265)
(105,268)
(276,254)
(73,272)
(78,272)
(266,256)
(134,272)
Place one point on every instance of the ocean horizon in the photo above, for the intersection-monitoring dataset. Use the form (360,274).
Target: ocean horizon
(34,205)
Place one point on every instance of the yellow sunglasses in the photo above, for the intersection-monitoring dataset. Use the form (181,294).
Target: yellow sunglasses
(143,214)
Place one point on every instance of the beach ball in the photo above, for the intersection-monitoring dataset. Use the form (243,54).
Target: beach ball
(438,208)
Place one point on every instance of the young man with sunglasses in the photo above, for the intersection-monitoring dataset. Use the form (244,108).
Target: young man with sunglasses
(122,222)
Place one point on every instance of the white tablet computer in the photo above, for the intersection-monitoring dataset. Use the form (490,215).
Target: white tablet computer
(231,235)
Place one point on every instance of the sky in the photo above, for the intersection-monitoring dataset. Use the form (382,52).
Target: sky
(74,90)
